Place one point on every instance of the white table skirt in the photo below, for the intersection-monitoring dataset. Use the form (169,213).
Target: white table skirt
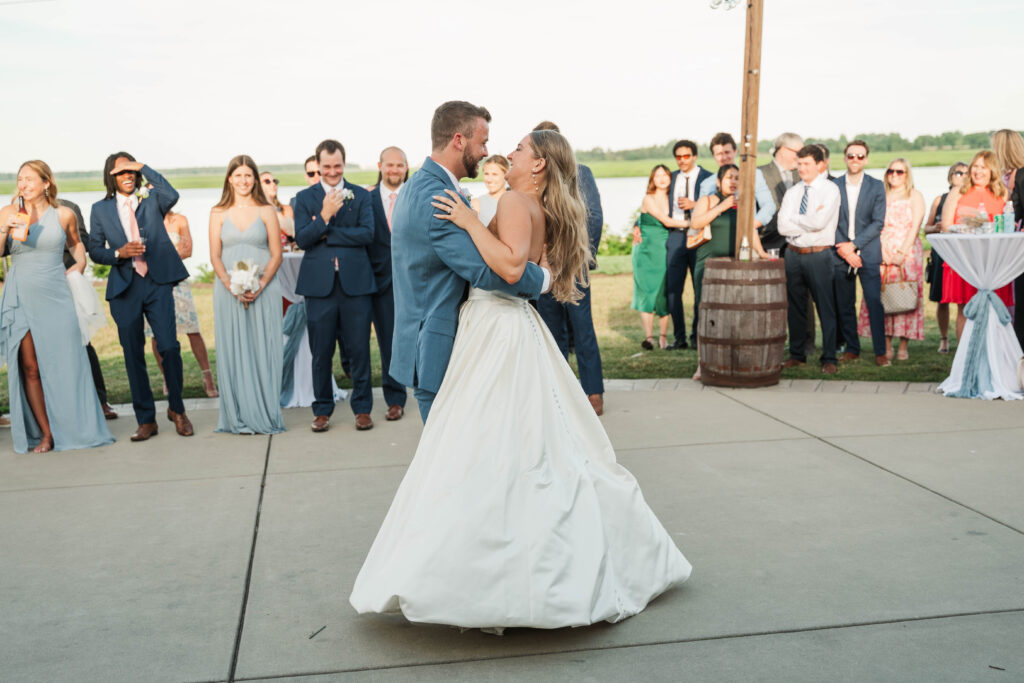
(302,388)
(986,262)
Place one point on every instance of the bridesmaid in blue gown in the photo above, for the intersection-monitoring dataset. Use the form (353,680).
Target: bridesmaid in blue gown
(243,225)
(53,398)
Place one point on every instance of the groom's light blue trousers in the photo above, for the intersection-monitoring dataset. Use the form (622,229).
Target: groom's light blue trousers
(425,399)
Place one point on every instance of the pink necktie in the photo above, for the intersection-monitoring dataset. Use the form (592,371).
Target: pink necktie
(138,262)
(391,206)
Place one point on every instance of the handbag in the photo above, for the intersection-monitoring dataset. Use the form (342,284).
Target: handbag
(695,238)
(899,296)
(91,315)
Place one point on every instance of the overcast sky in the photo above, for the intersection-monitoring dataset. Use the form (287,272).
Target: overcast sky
(199,83)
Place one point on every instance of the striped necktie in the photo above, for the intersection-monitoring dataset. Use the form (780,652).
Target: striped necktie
(803,200)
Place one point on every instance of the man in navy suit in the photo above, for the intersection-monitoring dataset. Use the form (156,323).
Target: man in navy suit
(682,195)
(334,226)
(128,235)
(858,252)
(393,171)
(565,319)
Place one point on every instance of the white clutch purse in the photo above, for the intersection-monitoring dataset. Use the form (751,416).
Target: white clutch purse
(91,315)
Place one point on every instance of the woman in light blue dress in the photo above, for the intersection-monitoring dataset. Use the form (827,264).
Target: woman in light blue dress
(247,325)
(54,405)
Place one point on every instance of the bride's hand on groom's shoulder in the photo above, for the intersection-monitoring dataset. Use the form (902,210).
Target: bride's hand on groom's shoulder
(455,210)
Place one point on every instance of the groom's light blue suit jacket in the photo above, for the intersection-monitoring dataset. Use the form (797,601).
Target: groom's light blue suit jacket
(433,261)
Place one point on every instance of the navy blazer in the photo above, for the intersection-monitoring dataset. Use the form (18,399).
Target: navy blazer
(345,237)
(592,200)
(106,235)
(702,173)
(870,218)
(380,250)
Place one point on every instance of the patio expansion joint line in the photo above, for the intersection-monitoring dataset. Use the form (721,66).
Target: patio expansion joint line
(627,646)
(143,482)
(905,478)
(248,570)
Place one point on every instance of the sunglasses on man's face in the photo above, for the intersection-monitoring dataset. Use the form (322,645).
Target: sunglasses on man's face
(858,157)
(268,181)
(683,157)
(312,174)
(895,171)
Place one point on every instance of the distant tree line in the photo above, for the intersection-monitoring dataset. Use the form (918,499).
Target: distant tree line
(882,142)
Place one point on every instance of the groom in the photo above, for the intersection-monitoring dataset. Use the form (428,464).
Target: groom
(434,261)
(141,281)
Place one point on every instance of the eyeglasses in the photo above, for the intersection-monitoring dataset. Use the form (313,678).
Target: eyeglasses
(858,157)
(312,174)
(895,171)
(268,181)
(683,157)
(959,172)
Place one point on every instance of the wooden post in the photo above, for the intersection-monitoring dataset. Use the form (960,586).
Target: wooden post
(748,128)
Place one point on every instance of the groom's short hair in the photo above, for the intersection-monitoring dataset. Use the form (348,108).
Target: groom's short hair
(330,146)
(455,117)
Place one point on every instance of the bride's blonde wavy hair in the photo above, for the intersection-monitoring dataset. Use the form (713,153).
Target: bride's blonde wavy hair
(566,216)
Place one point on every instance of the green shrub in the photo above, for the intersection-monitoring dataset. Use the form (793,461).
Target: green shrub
(613,245)
(206,274)
(100,271)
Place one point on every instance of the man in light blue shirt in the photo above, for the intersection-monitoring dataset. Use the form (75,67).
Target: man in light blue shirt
(723,149)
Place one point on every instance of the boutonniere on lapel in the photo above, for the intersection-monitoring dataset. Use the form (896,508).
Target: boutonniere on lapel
(464,191)
(142,193)
(347,195)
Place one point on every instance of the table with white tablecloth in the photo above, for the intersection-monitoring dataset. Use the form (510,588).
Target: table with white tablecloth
(988,355)
(301,395)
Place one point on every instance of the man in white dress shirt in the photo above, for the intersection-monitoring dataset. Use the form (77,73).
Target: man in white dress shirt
(807,219)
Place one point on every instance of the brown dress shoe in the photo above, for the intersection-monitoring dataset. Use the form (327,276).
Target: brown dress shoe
(394,413)
(363,422)
(829,369)
(182,425)
(848,357)
(792,363)
(145,430)
(882,361)
(108,412)
(321,423)
(597,401)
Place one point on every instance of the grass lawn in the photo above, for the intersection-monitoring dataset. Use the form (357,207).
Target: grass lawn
(618,333)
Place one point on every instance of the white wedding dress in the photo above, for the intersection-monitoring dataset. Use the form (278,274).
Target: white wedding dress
(513,511)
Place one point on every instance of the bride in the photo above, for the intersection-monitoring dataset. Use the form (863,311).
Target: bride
(514,511)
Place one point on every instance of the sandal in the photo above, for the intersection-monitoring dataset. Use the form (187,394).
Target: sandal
(943,344)
(208,385)
(647,344)
(663,341)
(903,355)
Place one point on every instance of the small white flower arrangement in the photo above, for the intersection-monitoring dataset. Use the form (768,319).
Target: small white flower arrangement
(245,278)
(464,191)
(142,193)
(347,194)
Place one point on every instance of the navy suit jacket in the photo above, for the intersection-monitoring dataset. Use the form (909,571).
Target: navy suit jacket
(345,237)
(592,200)
(107,235)
(869,219)
(380,250)
(702,173)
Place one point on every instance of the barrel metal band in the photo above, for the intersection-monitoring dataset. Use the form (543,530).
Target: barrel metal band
(741,342)
(744,283)
(715,306)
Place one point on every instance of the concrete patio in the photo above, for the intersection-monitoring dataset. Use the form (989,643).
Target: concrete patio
(839,531)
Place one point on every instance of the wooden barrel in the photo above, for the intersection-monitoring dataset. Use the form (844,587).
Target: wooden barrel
(741,333)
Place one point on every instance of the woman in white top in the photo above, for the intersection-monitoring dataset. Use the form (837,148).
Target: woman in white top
(495,168)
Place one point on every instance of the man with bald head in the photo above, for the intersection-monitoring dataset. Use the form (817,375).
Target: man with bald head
(393,171)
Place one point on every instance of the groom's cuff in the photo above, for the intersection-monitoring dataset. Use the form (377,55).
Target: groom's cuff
(546,287)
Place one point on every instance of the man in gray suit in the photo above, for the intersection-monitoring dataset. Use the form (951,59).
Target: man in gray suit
(780,174)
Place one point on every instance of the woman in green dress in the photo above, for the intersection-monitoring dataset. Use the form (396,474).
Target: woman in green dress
(649,256)
(719,211)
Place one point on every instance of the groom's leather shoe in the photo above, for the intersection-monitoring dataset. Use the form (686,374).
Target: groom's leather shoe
(363,422)
(181,423)
(108,412)
(394,413)
(321,423)
(145,430)
(597,401)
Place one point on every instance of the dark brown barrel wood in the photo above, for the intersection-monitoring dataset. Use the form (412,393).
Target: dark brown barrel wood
(741,334)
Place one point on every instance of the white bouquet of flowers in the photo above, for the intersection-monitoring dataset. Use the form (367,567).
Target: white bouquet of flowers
(245,278)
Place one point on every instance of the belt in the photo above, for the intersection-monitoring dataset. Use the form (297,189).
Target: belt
(808,250)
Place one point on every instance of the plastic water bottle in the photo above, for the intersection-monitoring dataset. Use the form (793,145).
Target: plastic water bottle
(744,249)
(1009,220)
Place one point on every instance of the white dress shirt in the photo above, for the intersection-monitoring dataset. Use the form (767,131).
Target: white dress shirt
(817,227)
(126,205)
(852,195)
(680,189)
(328,189)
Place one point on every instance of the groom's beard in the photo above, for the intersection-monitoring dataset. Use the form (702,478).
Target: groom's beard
(470,163)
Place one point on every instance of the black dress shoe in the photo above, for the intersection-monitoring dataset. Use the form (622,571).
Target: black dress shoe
(693,340)
(679,345)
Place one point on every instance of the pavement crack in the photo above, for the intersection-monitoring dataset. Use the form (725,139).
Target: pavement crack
(248,571)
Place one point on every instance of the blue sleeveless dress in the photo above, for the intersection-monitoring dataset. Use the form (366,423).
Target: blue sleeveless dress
(37,299)
(250,353)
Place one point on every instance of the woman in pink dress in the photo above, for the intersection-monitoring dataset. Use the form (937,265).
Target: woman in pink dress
(983,193)
(902,257)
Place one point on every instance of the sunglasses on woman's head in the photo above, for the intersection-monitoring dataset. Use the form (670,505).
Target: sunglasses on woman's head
(895,171)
